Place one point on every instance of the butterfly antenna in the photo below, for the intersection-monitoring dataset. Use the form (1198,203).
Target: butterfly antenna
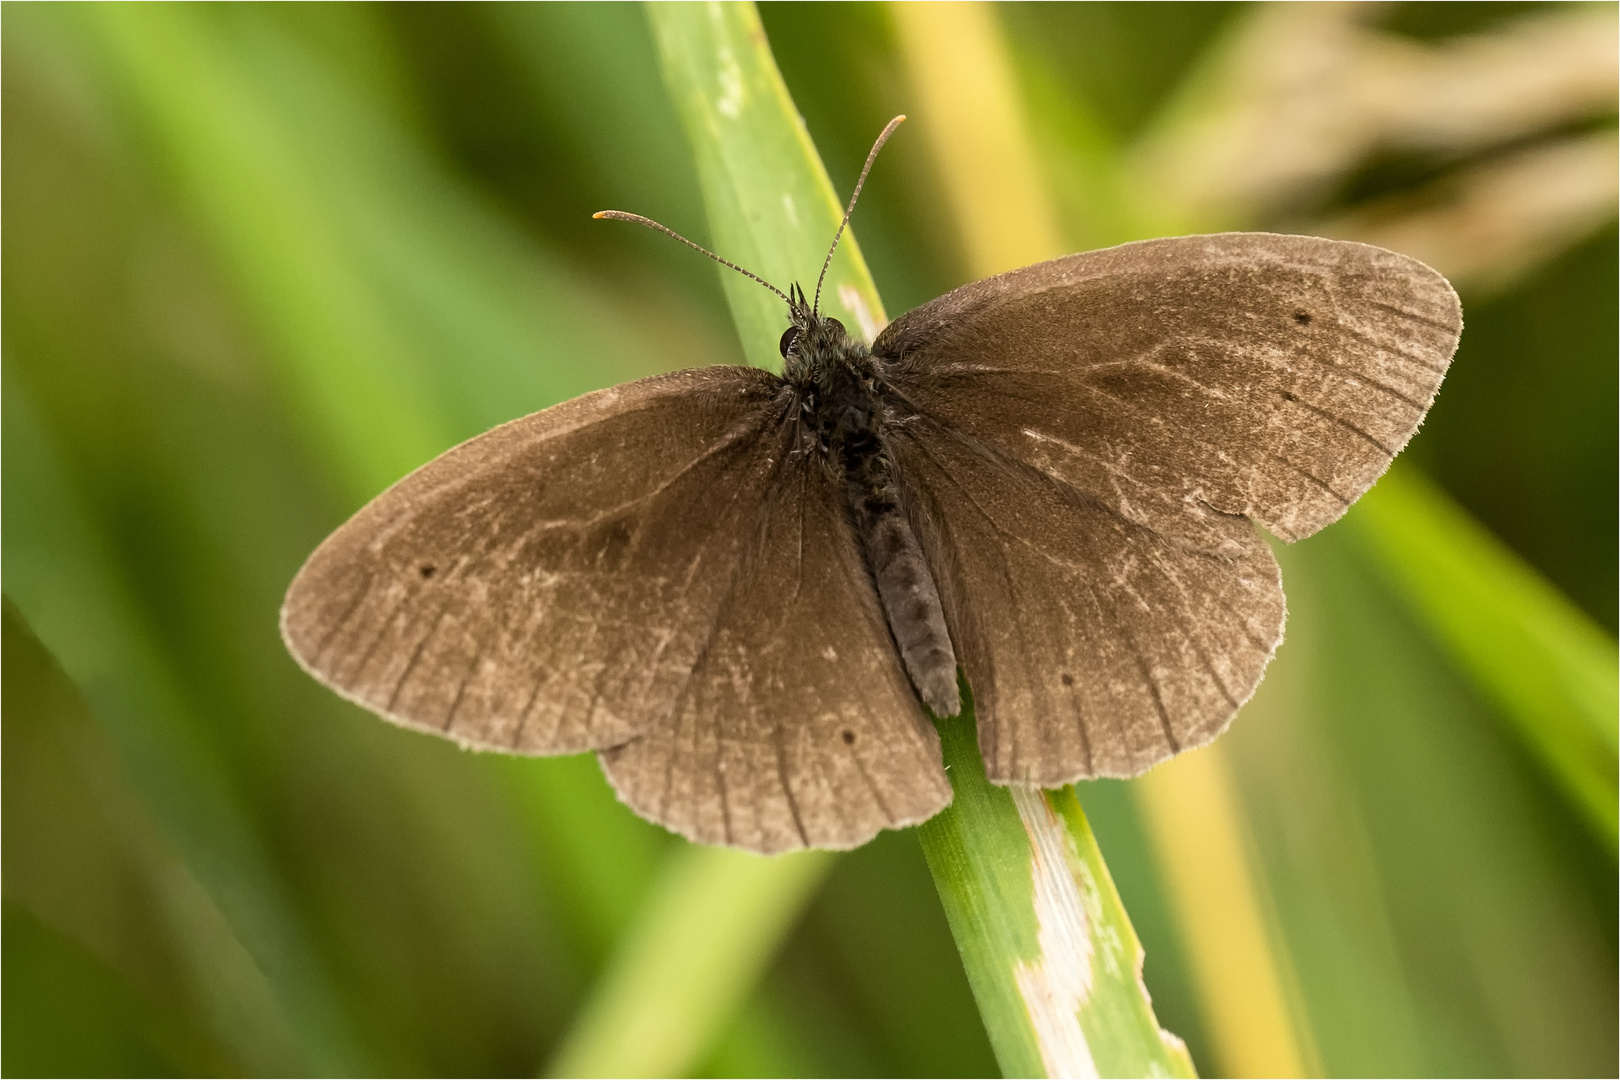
(881,139)
(620,215)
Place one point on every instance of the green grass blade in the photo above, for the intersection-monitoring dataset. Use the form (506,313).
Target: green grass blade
(1547,667)
(708,929)
(772,209)
(1048,947)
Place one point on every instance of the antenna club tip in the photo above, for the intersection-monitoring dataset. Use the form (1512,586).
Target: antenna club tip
(600,214)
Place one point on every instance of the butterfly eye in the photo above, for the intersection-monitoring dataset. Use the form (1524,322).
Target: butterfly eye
(789,336)
(836,325)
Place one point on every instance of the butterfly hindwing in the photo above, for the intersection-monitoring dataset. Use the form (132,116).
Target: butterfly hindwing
(1094,645)
(798,726)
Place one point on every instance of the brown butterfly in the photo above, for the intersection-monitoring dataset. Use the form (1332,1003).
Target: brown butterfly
(736,586)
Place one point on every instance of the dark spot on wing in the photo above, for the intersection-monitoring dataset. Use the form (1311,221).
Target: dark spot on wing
(426,570)
(1068,680)
(849,738)
(1290,397)
(1303,318)
(614,540)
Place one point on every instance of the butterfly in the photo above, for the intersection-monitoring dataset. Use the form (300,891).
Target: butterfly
(745,591)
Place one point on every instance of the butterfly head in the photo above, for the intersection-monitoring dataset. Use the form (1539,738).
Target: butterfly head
(809,333)
(811,340)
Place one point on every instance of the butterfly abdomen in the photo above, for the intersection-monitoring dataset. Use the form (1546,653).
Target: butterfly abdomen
(911,601)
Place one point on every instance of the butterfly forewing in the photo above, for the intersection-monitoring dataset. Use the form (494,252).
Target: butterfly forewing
(1242,373)
(798,726)
(548,586)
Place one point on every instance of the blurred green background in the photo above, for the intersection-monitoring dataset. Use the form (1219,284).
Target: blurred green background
(259,260)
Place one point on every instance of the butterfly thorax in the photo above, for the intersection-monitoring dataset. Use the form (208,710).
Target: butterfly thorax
(843,412)
(840,405)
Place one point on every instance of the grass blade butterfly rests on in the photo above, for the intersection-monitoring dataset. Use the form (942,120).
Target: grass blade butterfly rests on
(742,588)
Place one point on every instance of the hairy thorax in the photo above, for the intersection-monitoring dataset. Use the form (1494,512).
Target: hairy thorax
(841,408)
